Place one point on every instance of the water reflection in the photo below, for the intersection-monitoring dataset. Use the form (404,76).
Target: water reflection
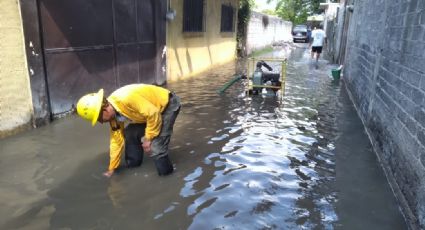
(273,167)
(241,163)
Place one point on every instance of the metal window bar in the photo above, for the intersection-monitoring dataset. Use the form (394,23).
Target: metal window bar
(227,16)
(193,16)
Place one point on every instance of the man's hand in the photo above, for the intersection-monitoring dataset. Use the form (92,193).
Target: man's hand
(146,146)
(108,173)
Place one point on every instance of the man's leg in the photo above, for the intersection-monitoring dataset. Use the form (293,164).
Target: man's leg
(133,147)
(159,148)
(160,144)
(313,51)
(319,51)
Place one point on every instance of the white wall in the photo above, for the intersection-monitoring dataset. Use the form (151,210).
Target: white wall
(260,36)
(15,96)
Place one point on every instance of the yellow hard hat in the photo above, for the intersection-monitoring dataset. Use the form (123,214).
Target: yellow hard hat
(88,107)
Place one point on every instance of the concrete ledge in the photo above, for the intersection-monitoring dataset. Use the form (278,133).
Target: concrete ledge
(16,130)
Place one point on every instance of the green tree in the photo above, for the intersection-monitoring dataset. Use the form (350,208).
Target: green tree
(297,11)
(269,12)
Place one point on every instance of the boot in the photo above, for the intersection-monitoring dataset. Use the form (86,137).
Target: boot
(164,166)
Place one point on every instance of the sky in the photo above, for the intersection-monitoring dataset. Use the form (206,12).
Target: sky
(262,4)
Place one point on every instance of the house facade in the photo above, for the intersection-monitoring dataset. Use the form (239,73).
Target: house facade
(16,108)
(201,34)
(50,57)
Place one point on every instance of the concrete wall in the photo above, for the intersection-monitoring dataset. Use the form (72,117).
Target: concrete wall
(385,74)
(15,97)
(335,24)
(189,54)
(332,25)
(339,28)
(260,35)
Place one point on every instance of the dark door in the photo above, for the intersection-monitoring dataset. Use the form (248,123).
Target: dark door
(92,44)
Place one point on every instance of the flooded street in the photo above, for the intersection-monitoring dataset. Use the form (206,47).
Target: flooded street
(241,163)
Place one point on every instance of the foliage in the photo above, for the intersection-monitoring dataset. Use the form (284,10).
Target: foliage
(244,14)
(260,52)
(269,12)
(297,11)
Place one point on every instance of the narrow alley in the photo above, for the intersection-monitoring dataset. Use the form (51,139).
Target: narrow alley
(240,163)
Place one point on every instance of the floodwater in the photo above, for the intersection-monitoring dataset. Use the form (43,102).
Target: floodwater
(241,163)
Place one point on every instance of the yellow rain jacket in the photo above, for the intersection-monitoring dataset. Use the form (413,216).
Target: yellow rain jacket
(139,103)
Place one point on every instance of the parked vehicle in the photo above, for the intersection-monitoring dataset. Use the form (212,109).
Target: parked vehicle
(301,33)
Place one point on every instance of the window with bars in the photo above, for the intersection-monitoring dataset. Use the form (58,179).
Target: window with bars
(193,16)
(227,16)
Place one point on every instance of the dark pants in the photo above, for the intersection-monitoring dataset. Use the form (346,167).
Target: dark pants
(133,149)
(160,143)
(317,49)
(159,147)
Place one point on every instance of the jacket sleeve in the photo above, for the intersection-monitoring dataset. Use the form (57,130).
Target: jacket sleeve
(153,118)
(153,125)
(116,146)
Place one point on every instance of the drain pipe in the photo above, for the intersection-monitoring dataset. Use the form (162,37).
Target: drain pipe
(230,83)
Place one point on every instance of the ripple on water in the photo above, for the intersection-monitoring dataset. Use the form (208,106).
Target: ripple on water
(272,162)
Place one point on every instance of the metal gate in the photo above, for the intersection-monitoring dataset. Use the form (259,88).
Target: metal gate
(92,44)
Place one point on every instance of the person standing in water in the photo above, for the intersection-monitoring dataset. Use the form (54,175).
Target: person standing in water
(150,112)
(318,39)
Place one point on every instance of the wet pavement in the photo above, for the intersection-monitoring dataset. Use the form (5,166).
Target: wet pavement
(241,163)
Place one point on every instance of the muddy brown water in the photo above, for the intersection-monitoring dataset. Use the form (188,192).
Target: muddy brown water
(241,163)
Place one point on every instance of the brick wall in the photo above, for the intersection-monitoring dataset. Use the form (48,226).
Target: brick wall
(15,98)
(385,74)
(260,35)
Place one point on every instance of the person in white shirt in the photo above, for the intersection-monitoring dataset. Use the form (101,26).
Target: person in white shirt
(318,38)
